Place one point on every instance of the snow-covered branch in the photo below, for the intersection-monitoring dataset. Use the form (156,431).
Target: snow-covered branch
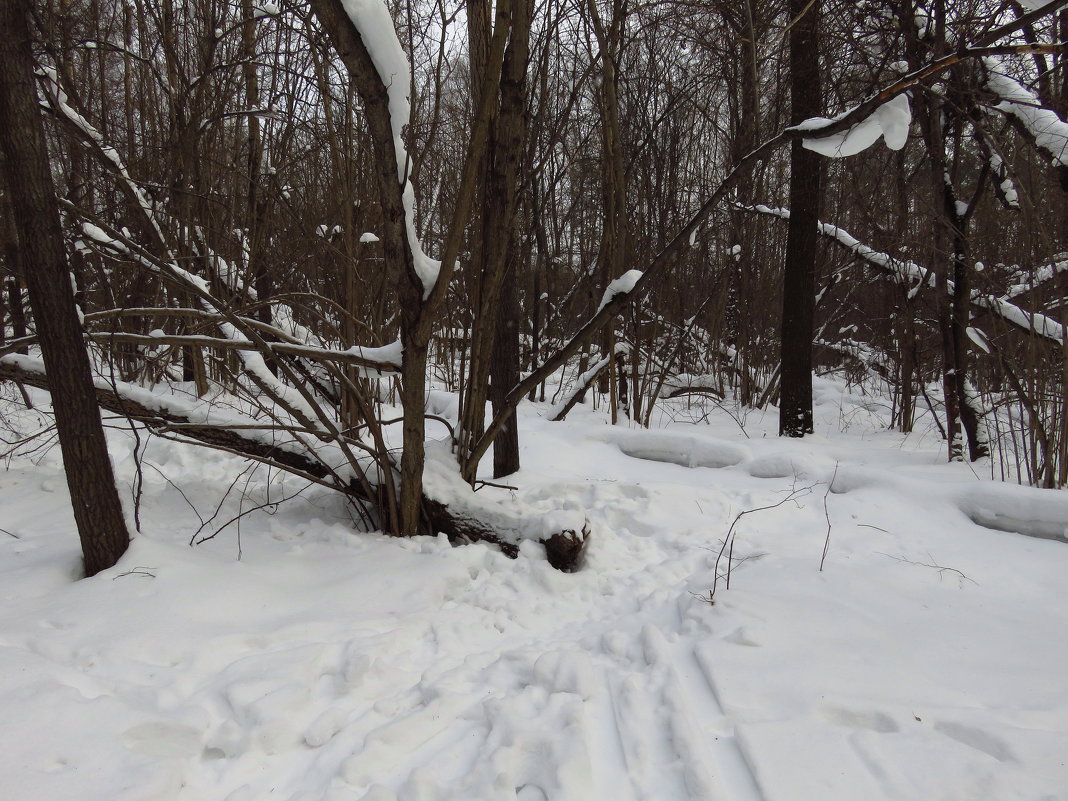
(372,362)
(451,506)
(1042,126)
(908,272)
(582,383)
(377,35)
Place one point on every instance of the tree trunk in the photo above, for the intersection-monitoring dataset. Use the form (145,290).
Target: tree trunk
(97,511)
(495,343)
(798,304)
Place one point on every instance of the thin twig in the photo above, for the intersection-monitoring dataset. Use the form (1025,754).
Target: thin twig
(940,568)
(177,489)
(237,518)
(729,539)
(827,515)
(137,571)
(193,540)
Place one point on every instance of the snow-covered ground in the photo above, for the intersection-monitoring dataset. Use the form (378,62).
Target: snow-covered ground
(927,660)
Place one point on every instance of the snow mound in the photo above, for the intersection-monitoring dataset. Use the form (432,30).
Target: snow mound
(1023,510)
(782,465)
(681,449)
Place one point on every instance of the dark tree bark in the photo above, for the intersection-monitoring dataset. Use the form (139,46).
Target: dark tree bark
(510,142)
(798,302)
(97,511)
(494,340)
(417,313)
(612,255)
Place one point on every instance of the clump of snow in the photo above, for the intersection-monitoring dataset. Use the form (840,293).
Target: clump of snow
(625,283)
(674,448)
(889,121)
(265,10)
(389,355)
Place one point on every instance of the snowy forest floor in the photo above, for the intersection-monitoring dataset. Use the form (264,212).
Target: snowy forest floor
(290,658)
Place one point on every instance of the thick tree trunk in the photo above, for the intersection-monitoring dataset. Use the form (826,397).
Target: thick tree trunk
(508,153)
(504,370)
(97,511)
(611,259)
(494,340)
(798,308)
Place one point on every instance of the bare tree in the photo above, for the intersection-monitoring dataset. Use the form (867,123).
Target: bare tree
(799,281)
(97,511)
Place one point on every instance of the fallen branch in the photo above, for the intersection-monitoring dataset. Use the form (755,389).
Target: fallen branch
(450,506)
(581,385)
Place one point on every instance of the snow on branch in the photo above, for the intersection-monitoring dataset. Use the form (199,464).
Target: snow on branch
(904,270)
(620,286)
(1026,281)
(199,420)
(371,362)
(373,23)
(582,383)
(57,101)
(887,114)
(1042,125)
(294,399)
(889,121)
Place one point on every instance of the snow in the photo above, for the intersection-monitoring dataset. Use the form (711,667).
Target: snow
(926,660)
(619,286)
(375,26)
(890,121)
(908,271)
(389,355)
(1050,132)
(265,10)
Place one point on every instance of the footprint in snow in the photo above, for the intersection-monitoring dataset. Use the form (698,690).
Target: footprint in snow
(862,719)
(977,739)
(741,637)
(163,739)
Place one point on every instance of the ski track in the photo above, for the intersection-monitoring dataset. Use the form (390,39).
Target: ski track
(581,694)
